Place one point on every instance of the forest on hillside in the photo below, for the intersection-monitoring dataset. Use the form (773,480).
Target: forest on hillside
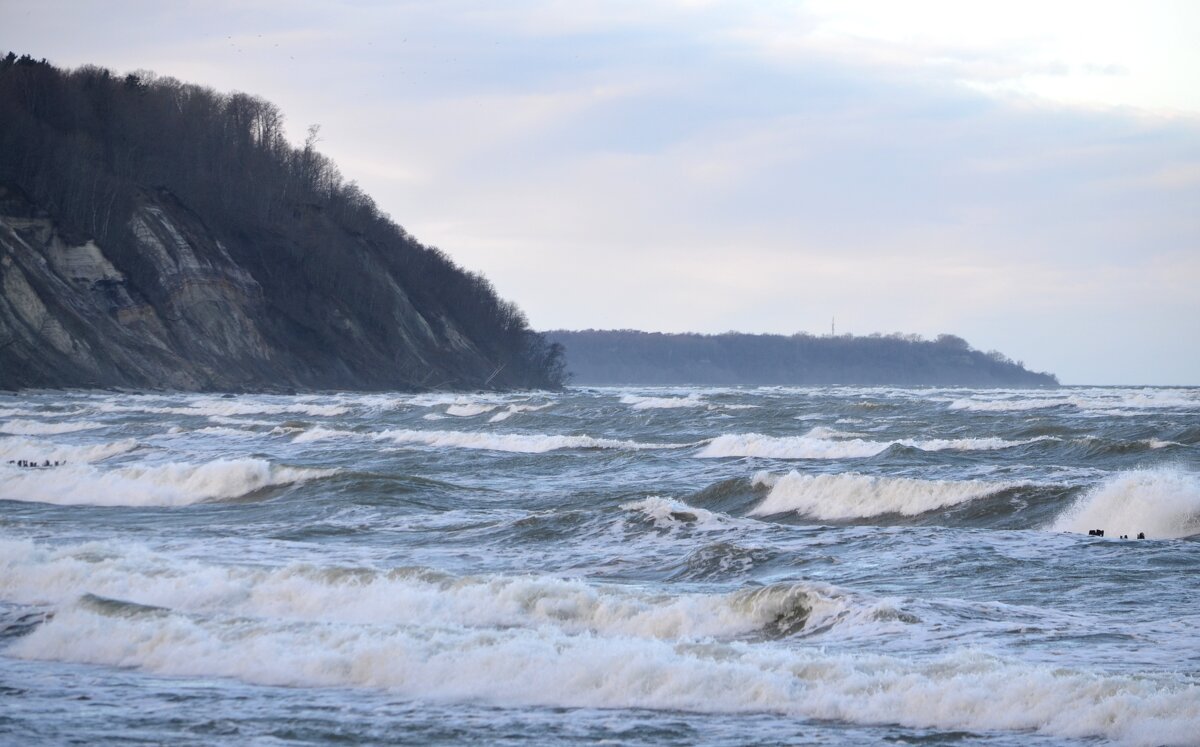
(631,357)
(87,146)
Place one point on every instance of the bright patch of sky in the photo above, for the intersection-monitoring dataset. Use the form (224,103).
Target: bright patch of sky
(1023,174)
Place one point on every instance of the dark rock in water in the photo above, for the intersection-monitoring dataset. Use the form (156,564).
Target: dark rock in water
(207,254)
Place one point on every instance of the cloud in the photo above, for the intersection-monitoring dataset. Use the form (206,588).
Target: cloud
(717,165)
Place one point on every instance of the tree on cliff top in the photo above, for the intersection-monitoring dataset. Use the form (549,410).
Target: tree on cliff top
(86,144)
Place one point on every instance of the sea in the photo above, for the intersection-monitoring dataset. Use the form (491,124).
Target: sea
(667,566)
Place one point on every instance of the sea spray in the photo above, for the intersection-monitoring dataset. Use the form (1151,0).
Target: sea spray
(1162,503)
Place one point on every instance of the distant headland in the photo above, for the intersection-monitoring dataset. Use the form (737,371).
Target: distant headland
(630,357)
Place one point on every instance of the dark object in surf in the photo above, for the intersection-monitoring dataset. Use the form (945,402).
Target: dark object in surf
(1141,535)
(33,464)
(1095,532)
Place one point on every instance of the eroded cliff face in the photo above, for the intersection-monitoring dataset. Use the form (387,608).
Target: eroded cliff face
(173,308)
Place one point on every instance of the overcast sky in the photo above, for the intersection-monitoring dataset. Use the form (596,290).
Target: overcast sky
(1023,174)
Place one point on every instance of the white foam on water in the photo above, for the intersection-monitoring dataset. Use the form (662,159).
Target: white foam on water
(547,666)
(1164,503)
(1106,401)
(638,402)
(433,416)
(1006,405)
(525,443)
(35,574)
(821,431)
(171,484)
(670,513)
(516,409)
(223,420)
(1155,443)
(228,408)
(788,447)
(219,430)
(322,434)
(39,451)
(852,496)
(469,410)
(810,446)
(41,428)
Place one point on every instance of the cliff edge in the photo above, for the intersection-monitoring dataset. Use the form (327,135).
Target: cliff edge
(155,234)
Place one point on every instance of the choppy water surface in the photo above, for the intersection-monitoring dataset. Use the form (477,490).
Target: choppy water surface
(807,566)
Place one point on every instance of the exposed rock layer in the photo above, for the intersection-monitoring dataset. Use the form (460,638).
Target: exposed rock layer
(71,316)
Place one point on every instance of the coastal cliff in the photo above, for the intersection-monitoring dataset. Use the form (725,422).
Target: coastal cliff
(157,234)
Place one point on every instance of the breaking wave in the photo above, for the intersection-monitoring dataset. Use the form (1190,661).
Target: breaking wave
(549,666)
(41,428)
(1107,401)
(1164,503)
(172,484)
(852,496)
(661,403)
(228,408)
(524,443)
(35,574)
(815,446)
(469,410)
(12,449)
(514,410)
(669,513)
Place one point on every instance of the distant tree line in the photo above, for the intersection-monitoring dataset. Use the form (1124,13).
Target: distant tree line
(85,145)
(621,357)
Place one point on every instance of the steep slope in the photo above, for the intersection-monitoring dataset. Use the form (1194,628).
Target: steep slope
(155,234)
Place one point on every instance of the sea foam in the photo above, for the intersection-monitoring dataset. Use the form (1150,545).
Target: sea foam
(525,443)
(36,574)
(36,450)
(670,513)
(1163,503)
(468,410)
(853,496)
(661,403)
(546,666)
(814,445)
(171,484)
(43,428)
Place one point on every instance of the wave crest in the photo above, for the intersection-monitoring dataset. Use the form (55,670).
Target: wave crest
(817,445)
(853,496)
(1162,503)
(171,484)
(524,443)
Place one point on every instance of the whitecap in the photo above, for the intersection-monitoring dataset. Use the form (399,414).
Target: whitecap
(42,428)
(527,443)
(170,484)
(810,446)
(661,403)
(34,450)
(546,666)
(670,513)
(468,410)
(852,496)
(1163,503)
